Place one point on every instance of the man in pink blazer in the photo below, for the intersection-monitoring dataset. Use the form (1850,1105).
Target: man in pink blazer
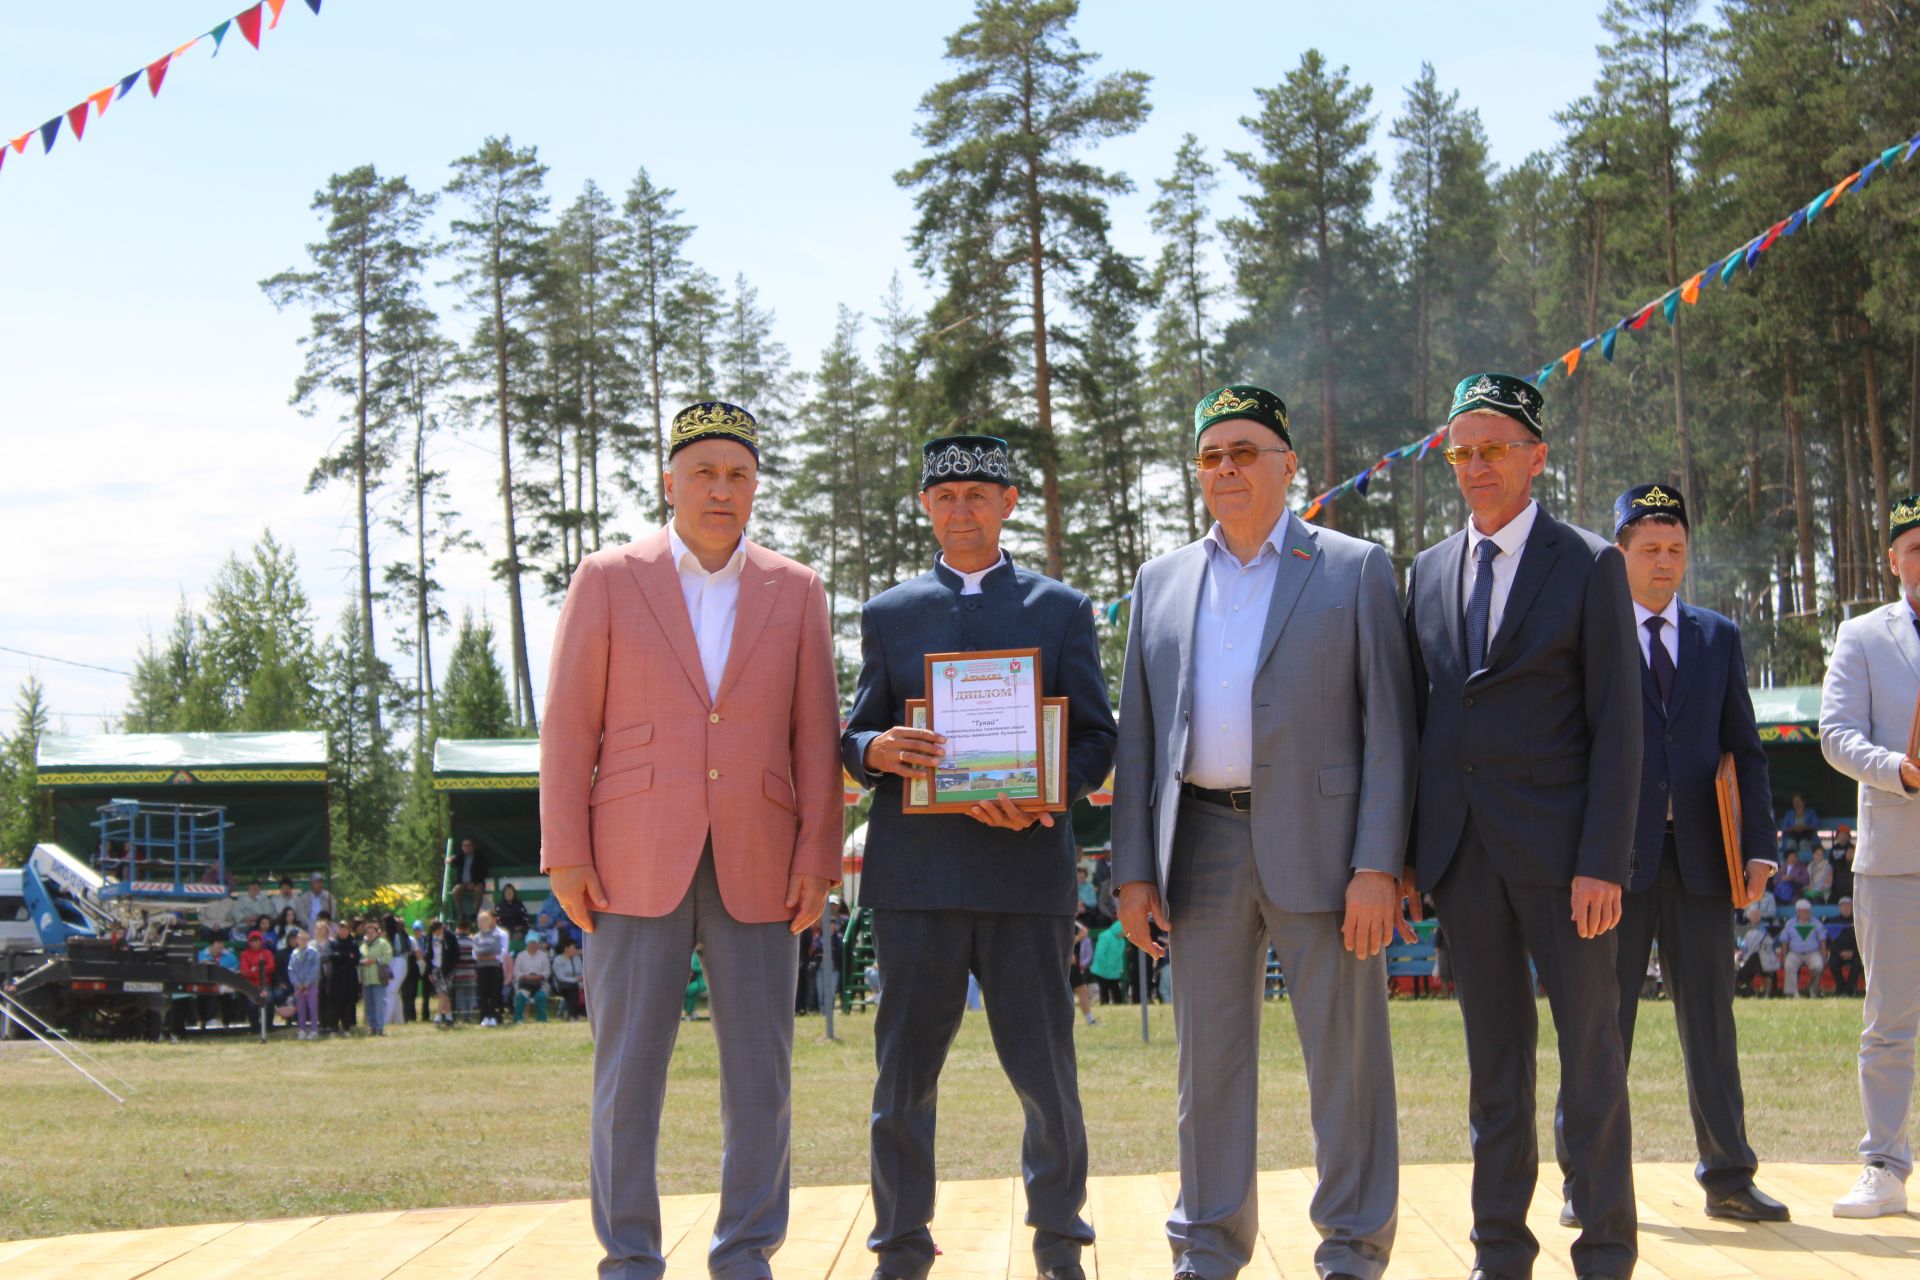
(690,793)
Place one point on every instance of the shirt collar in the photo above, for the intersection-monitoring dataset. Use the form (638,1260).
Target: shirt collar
(1671,613)
(1511,536)
(686,562)
(970,580)
(1216,540)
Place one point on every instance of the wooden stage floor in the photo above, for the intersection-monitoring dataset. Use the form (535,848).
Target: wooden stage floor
(978,1227)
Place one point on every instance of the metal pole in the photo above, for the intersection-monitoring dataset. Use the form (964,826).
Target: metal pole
(1146,994)
(12,1007)
(34,1032)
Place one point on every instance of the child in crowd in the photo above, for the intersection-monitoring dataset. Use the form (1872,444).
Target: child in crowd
(303,966)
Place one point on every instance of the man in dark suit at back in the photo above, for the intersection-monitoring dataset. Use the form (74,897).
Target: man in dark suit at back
(1694,708)
(1527,689)
(990,891)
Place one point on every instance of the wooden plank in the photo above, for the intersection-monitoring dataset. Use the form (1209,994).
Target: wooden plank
(244,1251)
(464,1244)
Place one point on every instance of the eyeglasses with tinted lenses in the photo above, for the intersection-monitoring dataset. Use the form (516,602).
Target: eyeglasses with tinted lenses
(1243,456)
(1492,451)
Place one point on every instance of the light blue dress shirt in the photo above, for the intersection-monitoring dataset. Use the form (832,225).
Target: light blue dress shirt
(1226,651)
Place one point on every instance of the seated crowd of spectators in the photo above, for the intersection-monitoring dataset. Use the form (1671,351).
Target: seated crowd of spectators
(327,973)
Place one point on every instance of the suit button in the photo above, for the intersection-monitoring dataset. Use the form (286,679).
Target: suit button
(1669,739)
(715,719)
(1469,768)
(1663,786)
(714,773)
(1469,701)
(1179,777)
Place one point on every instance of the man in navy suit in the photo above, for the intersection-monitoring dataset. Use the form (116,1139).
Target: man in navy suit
(1694,708)
(1526,682)
(990,891)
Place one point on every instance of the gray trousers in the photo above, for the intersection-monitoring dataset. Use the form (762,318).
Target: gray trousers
(1886,913)
(636,979)
(1222,924)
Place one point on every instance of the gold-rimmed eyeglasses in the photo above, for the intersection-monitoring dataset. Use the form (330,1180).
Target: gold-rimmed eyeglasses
(1492,451)
(1242,455)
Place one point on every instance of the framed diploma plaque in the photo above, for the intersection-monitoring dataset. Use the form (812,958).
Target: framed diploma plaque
(1002,734)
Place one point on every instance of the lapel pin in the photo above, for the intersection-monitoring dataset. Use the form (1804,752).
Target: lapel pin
(1303,553)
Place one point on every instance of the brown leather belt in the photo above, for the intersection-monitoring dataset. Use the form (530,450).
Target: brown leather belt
(1239,799)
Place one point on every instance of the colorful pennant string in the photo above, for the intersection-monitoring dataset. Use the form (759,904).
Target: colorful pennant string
(94,105)
(1667,304)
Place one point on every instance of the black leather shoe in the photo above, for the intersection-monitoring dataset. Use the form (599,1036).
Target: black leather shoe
(1480,1273)
(1065,1271)
(1749,1204)
(1568,1218)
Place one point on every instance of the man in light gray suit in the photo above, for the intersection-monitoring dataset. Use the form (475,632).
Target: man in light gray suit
(1866,715)
(1262,793)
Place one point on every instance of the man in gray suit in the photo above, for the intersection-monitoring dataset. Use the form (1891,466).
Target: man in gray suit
(1866,714)
(1261,795)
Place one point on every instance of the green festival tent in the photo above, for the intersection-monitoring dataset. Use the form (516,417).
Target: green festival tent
(1789,720)
(492,791)
(272,785)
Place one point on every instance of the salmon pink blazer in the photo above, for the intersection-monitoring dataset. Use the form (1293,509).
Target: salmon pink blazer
(638,765)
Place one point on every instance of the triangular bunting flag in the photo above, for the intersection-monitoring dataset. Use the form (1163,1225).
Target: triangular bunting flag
(274,7)
(250,25)
(1891,153)
(1913,143)
(1866,174)
(1571,360)
(188,45)
(1308,514)
(1360,482)
(1546,371)
(1845,182)
(48,133)
(1819,202)
(3,157)
(1797,221)
(156,72)
(1607,340)
(1773,233)
(1710,272)
(20,143)
(1639,320)
(1690,291)
(77,121)
(1734,260)
(219,33)
(127,82)
(315,6)
(101,99)
(1670,305)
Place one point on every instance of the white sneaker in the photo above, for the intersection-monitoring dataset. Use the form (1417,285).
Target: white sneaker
(488,1022)
(1875,1195)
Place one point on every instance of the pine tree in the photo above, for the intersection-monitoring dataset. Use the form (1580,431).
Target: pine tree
(834,487)
(373,250)
(500,248)
(1104,388)
(1185,364)
(258,662)
(364,781)
(19,752)
(652,264)
(903,420)
(474,696)
(1005,187)
(1300,252)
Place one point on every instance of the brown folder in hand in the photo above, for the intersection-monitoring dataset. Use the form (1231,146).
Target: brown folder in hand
(1913,734)
(1726,789)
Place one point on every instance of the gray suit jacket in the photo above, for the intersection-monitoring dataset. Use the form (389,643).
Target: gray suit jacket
(1866,712)
(1333,722)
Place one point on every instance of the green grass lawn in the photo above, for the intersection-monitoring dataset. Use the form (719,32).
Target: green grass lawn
(233,1129)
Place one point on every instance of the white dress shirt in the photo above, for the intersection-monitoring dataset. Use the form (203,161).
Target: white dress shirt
(713,601)
(970,582)
(1226,651)
(1512,540)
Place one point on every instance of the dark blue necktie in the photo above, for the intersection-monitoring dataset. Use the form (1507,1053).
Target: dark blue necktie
(1659,660)
(1480,604)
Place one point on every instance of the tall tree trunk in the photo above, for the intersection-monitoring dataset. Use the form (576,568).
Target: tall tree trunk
(1802,496)
(1329,432)
(1191,499)
(1846,539)
(422,612)
(1877,450)
(1584,441)
(1042,374)
(653,360)
(1913,413)
(1671,219)
(360,467)
(523,711)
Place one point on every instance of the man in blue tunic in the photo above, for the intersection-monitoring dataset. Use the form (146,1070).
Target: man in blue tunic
(989,892)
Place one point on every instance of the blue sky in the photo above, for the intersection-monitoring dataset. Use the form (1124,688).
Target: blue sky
(144,425)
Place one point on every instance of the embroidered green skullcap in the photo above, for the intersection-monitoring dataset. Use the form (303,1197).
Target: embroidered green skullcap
(1904,516)
(714,418)
(1500,393)
(1241,400)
